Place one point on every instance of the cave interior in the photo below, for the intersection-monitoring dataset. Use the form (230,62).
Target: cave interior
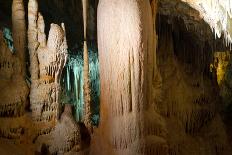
(118,77)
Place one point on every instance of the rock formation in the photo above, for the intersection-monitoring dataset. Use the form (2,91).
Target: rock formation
(217,14)
(130,122)
(220,63)
(48,58)
(66,135)
(13,86)
(165,85)
(87,99)
(19,31)
(189,104)
(72,81)
(13,93)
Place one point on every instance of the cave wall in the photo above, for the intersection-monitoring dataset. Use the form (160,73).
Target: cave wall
(190,99)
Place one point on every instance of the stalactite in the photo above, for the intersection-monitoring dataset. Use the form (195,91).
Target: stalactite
(218,14)
(73,82)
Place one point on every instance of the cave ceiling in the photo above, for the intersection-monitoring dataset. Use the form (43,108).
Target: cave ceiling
(189,21)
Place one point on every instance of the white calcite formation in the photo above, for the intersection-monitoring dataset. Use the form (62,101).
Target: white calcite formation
(218,14)
(66,135)
(130,123)
(48,58)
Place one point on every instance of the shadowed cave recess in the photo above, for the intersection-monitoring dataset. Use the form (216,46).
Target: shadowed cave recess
(115,77)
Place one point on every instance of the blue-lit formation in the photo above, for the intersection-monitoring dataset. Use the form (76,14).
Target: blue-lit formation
(9,39)
(73,84)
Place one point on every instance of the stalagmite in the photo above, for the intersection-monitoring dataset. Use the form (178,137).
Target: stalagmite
(66,135)
(13,87)
(48,58)
(32,39)
(129,122)
(87,99)
(47,61)
(19,31)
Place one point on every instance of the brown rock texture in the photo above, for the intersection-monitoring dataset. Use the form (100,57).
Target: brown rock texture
(190,103)
(87,97)
(19,31)
(13,87)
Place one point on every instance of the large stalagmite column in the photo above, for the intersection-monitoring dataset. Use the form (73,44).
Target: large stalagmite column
(129,123)
(19,31)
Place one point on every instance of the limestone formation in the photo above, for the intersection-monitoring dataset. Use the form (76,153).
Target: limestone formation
(48,58)
(47,61)
(217,14)
(189,104)
(87,99)
(66,135)
(129,122)
(13,86)
(13,93)
(19,31)
(165,84)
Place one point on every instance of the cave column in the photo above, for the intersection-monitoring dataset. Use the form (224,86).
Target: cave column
(19,31)
(87,98)
(129,121)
